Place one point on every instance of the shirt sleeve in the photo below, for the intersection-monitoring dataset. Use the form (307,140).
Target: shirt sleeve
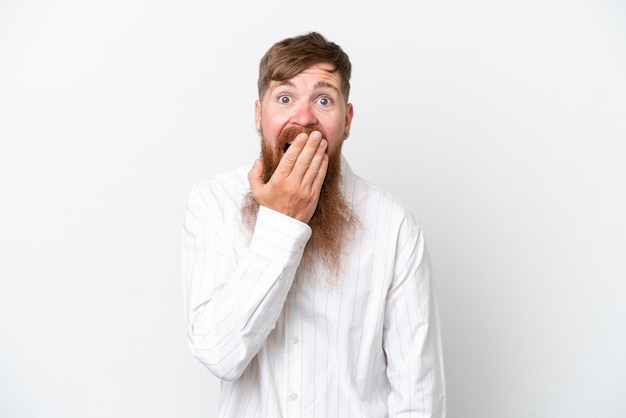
(412,340)
(234,298)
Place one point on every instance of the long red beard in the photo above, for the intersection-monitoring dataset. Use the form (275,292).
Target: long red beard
(333,223)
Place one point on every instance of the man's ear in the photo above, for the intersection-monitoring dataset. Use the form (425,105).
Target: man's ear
(349,115)
(257,115)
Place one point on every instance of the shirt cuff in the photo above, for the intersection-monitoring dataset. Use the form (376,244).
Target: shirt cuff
(279,237)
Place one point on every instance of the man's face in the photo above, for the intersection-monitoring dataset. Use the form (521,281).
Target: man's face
(312,100)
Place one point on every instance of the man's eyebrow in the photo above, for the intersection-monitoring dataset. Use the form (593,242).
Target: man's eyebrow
(324,83)
(320,84)
(285,83)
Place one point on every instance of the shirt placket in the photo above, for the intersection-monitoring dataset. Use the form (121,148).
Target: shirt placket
(293,350)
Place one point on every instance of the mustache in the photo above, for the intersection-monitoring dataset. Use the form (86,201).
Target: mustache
(289,134)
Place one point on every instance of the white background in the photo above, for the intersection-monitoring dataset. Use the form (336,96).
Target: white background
(500,123)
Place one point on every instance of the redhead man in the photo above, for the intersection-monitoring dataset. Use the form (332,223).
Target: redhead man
(308,289)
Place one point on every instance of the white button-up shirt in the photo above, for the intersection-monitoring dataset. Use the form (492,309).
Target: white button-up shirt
(288,342)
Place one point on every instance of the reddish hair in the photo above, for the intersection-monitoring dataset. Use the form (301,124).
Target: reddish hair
(287,58)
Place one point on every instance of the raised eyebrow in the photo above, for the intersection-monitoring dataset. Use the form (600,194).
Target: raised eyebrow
(325,84)
(285,83)
(319,85)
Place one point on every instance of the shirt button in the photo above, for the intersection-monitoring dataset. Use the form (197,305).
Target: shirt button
(293,396)
(295,340)
(295,286)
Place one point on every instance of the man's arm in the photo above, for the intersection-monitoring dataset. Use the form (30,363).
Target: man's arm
(233,302)
(412,340)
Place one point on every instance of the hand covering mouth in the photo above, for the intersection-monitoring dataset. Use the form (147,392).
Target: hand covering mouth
(287,136)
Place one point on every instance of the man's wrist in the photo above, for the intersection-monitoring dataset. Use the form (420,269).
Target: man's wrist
(279,237)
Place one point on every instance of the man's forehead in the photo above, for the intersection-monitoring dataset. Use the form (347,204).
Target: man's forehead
(320,75)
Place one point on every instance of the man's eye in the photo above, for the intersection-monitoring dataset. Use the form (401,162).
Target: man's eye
(324,101)
(284,99)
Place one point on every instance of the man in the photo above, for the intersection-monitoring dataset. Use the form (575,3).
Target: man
(307,288)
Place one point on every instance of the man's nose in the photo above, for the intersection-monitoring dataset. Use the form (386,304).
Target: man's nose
(304,115)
